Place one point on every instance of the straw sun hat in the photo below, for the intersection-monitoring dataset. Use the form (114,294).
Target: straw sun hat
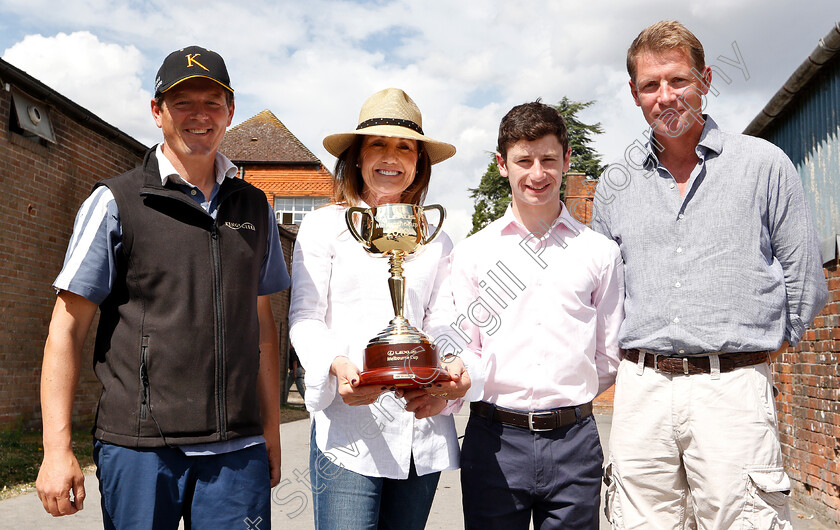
(390,112)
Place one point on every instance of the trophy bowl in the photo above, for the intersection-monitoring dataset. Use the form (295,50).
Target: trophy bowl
(400,356)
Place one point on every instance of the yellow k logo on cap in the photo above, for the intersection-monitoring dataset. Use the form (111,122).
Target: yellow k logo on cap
(191,60)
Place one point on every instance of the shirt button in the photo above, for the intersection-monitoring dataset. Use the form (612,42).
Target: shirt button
(676,320)
(678,284)
(681,216)
(672,185)
(679,250)
(193,192)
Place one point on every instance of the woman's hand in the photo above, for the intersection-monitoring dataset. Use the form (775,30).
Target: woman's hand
(347,375)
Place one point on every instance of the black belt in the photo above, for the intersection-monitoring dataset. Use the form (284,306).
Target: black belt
(697,364)
(542,420)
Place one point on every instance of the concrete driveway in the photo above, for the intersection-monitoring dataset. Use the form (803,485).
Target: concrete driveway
(292,500)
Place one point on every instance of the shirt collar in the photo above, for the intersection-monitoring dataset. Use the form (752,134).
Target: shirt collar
(223,166)
(508,220)
(710,140)
(509,224)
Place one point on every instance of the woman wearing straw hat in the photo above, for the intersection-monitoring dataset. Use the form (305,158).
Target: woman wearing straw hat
(375,460)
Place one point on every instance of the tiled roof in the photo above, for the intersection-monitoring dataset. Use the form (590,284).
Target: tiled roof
(264,138)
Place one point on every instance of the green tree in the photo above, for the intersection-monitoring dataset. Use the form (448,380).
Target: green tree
(584,158)
(492,195)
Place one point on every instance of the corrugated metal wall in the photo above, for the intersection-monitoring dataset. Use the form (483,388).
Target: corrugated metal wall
(809,132)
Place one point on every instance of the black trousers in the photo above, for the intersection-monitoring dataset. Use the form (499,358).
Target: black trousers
(509,473)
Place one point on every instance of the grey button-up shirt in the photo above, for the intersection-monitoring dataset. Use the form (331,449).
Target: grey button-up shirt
(733,266)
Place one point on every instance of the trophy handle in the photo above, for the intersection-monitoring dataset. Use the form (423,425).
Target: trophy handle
(348,217)
(442,213)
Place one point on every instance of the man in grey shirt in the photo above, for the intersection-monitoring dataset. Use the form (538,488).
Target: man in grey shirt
(722,268)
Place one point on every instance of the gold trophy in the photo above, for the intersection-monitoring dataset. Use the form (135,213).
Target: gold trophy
(401,355)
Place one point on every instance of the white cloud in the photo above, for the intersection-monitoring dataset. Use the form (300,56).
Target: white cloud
(465,63)
(104,78)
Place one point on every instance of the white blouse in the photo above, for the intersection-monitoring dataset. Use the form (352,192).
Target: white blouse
(339,301)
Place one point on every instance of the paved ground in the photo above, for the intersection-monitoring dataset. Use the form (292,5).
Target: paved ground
(292,502)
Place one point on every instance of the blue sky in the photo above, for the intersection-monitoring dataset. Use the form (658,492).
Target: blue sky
(313,63)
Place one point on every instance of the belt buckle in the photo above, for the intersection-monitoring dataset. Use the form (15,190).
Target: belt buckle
(656,368)
(531,421)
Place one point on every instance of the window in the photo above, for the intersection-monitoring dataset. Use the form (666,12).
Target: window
(291,210)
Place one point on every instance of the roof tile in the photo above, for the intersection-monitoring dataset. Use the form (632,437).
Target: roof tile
(264,138)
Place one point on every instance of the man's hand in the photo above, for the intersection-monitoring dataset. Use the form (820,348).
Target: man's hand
(422,404)
(272,445)
(458,386)
(348,376)
(59,476)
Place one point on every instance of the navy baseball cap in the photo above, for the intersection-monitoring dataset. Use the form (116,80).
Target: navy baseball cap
(188,63)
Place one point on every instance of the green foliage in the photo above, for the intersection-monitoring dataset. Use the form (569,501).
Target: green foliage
(492,195)
(584,158)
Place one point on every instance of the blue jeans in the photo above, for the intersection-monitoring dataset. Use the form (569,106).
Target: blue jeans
(295,377)
(155,487)
(509,473)
(344,500)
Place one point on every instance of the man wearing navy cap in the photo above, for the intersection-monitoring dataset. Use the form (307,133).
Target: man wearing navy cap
(180,257)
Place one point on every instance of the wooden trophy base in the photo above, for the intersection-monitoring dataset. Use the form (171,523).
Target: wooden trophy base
(403,365)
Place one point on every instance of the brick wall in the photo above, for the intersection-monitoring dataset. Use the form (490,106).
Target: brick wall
(280,303)
(603,404)
(808,404)
(42,188)
(579,193)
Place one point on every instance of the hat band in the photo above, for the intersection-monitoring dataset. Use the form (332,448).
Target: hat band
(391,121)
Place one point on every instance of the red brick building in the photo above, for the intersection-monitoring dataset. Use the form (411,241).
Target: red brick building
(52,151)
(580,191)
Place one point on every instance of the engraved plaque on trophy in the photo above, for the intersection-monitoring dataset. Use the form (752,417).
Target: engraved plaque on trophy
(400,355)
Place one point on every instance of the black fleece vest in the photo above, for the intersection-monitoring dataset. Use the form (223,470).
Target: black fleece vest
(177,347)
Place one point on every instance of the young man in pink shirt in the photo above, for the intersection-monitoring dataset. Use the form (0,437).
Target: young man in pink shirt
(540,297)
